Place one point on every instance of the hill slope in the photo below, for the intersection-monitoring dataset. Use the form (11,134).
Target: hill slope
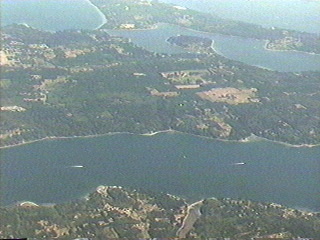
(115,212)
(78,83)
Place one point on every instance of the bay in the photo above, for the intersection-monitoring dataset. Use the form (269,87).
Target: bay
(246,50)
(175,163)
(51,15)
(300,15)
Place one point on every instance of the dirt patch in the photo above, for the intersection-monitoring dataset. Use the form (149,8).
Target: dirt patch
(4,59)
(230,95)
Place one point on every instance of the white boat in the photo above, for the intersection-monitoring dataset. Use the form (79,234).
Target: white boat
(77,166)
(239,163)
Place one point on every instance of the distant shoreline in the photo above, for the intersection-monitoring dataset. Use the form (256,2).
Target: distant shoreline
(153,27)
(265,45)
(293,50)
(102,16)
(249,139)
(84,136)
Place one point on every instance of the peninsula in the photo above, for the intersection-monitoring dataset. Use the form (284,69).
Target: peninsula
(80,83)
(85,83)
(137,14)
(116,212)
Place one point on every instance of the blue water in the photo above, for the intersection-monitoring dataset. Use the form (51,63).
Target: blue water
(179,164)
(53,15)
(249,51)
(301,15)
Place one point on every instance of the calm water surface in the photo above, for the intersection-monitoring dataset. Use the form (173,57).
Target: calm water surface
(300,15)
(249,51)
(53,15)
(175,163)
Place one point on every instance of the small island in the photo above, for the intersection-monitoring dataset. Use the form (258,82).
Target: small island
(192,43)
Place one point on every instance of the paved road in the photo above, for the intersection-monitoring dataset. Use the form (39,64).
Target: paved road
(193,213)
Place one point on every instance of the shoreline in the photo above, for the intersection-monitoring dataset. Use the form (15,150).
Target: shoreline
(212,47)
(296,51)
(194,205)
(102,16)
(266,42)
(153,27)
(84,136)
(99,12)
(250,139)
(262,40)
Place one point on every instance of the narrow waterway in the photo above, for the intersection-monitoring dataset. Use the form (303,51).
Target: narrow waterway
(246,50)
(175,163)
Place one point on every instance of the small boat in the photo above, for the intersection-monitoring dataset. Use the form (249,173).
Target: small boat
(77,166)
(239,163)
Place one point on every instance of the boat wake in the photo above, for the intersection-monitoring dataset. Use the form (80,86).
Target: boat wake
(76,166)
(238,164)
